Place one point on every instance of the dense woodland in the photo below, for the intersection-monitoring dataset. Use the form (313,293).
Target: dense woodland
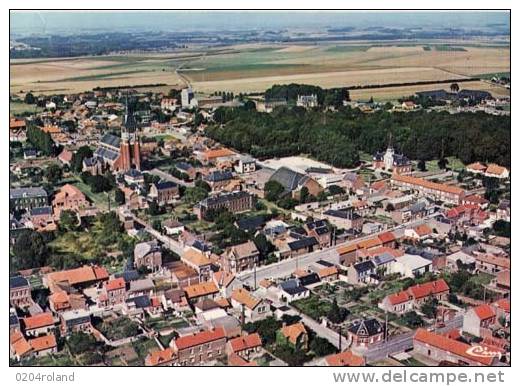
(337,137)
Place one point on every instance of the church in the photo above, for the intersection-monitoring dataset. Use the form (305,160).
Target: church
(390,161)
(120,154)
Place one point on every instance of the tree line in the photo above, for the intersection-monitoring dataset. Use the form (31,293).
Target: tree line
(337,137)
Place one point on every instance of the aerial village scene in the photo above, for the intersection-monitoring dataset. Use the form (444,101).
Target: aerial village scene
(332,195)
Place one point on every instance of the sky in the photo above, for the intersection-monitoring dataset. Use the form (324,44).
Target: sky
(49,22)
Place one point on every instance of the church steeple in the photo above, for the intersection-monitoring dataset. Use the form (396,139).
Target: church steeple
(390,144)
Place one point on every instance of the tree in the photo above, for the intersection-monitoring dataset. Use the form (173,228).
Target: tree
(304,194)
(29,250)
(203,185)
(53,173)
(335,190)
(454,87)
(78,157)
(80,342)
(322,196)
(194,194)
(412,319)
(337,314)
(429,307)
(273,190)
(68,220)
(41,140)
(153,208)
(442,163)
(119,197)
(502,228)
(390,207)
(321,346)
(264,246)
(29,99)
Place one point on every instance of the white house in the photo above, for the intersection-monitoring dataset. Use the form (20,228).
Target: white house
(412,265)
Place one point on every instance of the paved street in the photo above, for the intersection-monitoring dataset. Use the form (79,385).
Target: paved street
(168,242)
(402,342)
(286,267)
(169,177)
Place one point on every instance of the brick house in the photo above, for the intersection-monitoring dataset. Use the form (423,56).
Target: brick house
(114,293)
(240,257)
(441,348)
(164,192)
(38,324)
(366,332)
(478,318)
(19,292)
(69,197)
(199,348)
(148,254)
(244,346)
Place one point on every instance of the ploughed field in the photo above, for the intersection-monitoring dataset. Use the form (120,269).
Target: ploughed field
(254,68)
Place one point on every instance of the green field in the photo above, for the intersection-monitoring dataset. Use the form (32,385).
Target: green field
(21,108)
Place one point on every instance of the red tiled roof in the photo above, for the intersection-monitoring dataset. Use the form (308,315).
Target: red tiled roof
(495,169)
(346,358)
(449,345)
(504,304)
(484,311)
(115,284)
(79,275)
(21,347)
(43,342)
(38,321)
(237,360)
(476,166)
(245,342)
(398,298)
(346,249)
(427,184)
(201,289)
(159,357)
(379,251)
(423,230)
(386,237)
(293,332)
(370,243)
(199,338)
(502,262)
(420,291)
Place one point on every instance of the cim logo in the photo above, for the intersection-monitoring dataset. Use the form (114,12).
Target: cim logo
(483,352)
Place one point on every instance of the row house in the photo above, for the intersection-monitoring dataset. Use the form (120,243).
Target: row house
(442,192)
(200,348)
(441,348)
(413,297)
(19,292)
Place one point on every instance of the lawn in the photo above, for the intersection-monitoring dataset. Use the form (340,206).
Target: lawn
(99,199)
(90,244)
(143,346)
(453,162)
(21,108)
